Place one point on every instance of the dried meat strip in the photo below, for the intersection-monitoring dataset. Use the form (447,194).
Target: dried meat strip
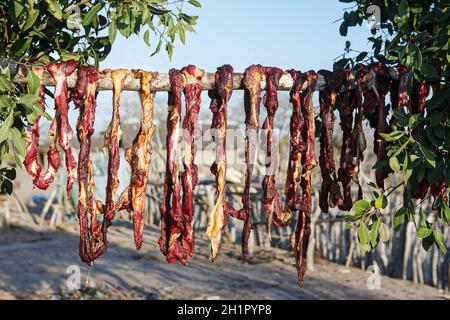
(271,197)
(42,180)
(220,95)
(60,71)
(139,156)
(172,218)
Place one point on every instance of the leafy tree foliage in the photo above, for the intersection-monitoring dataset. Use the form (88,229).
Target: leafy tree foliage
(414,33)
(82,30)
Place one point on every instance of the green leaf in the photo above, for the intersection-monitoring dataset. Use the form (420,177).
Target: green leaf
(361,56)
(158,11)
(423,232)
(7,186)
(5,83)
(361,206)
(343,28)
(428,71)
(54,8)
(384,232)
(393,163)
(348,226)
(381,202)
(403,9)
(365,248)
(363,234)
(32,16)
(158,48)
(374,233)
(399,218)
(439,239)
(182,34)
(6,125)
(146,37)
(429,155)
(112,31)
(33,82)
(28,99)
(20,46)
(169,49)
(92,13)
(418,59)
(17,140)
(195,3)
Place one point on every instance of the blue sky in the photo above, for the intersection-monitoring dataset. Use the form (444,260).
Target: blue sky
(288,34)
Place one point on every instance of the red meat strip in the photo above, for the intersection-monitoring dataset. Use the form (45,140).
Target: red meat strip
(252,101)
(302,232)
(191,131)
(60,71)
(172,218)
(346,168)
(330,194)
(220,95)
(41,179)
(139,157)
(381,88)
(271,197)
(112,138)
(297,146)
(91,239)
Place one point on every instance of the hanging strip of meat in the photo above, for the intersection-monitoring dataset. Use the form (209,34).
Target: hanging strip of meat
(347,168)
(191,131)
(252,101)
(84,99)
(60,71)
(419,95)
(380,86)
(297,147)
(330,194)
(300,237)
(172,219)
(358,141)
(41,179)
(112,138)
(220,95)
(139,156)
(271,197)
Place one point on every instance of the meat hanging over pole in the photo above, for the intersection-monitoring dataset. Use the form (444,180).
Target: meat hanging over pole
(252,101)
(191,131)
(380,86)
(297,147)
(112,139)
(60,71)
(271,197)
(302,232)
(330,193)
(172,219)
(91,240)
(139,157)
(220,95)
(358,141)
(41,179)
(346,167)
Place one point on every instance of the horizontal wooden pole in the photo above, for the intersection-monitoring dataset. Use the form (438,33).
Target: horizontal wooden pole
(161,82)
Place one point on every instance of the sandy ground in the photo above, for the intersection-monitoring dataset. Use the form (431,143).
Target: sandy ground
(35,263)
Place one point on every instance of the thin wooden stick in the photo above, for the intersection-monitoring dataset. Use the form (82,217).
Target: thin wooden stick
(161,82)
